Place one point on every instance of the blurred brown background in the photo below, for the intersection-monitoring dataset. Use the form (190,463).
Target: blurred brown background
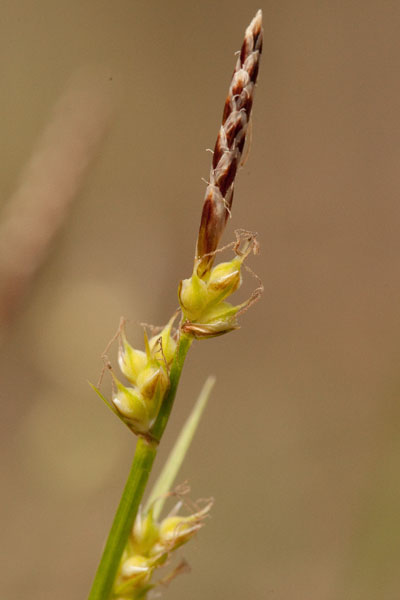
(300,443)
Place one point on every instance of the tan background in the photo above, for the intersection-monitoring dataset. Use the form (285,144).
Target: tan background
(300,444)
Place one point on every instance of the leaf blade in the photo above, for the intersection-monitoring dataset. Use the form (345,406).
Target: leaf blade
(176,457)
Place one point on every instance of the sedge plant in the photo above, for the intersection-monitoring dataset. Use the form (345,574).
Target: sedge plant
(139,542)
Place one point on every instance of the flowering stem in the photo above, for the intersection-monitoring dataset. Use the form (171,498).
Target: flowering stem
(217,207)
(145,453)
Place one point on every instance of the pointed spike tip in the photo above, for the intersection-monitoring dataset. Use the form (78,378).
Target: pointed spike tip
(256,23)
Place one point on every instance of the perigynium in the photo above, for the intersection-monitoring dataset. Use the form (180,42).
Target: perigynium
(140,541)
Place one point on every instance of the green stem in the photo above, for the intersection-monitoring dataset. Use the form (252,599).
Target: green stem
(142,462)
(157,430)
(145,453)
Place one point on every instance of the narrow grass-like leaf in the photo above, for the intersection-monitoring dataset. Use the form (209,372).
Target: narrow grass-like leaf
(175,459)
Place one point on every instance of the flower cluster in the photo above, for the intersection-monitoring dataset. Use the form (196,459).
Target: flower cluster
(203,296)
(148,373)
(150,546)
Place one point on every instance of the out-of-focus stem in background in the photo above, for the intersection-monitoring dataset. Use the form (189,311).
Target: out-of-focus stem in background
(49,183)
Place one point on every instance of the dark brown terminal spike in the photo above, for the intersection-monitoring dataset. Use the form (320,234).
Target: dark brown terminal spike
(229,146)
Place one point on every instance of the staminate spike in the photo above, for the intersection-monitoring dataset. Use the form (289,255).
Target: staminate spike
(229,146)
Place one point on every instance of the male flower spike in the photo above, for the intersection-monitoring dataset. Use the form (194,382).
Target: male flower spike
(203,296)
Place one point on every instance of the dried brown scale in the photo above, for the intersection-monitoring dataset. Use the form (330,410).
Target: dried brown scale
(229,146)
